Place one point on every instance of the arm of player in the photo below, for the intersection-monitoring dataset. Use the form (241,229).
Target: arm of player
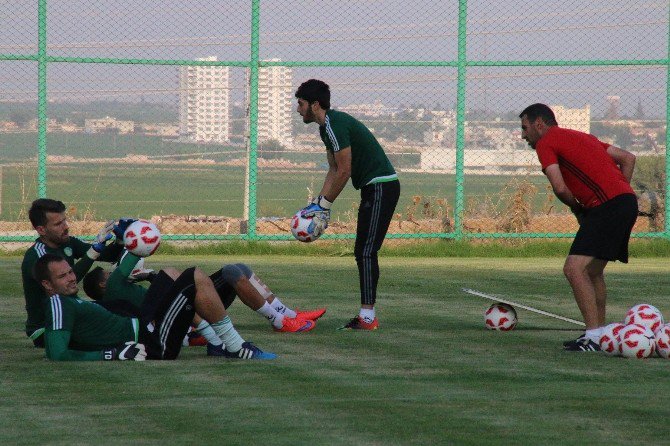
(339,172)
(56,343)
(553,173)
(624,159)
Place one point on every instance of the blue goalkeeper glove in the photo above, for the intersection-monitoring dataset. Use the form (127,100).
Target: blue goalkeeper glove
(121,226)
(101,240)
(319,210)
(130,351)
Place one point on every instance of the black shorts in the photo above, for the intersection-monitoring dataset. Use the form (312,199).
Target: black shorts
(605,230)
(226,292)
(167,313)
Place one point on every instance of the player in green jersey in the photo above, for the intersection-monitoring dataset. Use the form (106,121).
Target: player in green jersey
(49,219)
(230,281)
(80,330)
(352,152)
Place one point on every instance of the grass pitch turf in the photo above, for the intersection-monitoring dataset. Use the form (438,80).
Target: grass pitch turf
(430,375)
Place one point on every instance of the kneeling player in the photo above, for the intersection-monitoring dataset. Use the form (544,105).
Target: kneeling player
(85,331)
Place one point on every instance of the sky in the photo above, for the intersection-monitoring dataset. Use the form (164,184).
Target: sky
(346,30)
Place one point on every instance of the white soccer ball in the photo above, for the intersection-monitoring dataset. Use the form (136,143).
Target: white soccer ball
(645,314)
(500,317)
(663,341)
(610,341)
(302,228)
(142,238)
(637,341)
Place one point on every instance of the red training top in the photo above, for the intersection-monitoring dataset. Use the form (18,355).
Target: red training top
(589,172)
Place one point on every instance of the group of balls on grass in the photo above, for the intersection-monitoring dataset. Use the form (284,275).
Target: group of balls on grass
(642,333)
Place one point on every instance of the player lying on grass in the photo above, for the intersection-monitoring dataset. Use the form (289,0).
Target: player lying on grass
(80,330)
(49,219)
(230,281)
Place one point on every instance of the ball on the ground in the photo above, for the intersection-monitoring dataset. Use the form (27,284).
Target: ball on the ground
(142,238)
(500,317)
(302,228)
(637,341)
(645,314)
(610,340)
(663,341)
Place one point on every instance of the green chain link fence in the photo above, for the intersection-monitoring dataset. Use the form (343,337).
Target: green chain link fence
(183,112)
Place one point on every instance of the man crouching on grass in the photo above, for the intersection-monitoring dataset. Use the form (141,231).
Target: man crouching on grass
(80,330)
(593,179)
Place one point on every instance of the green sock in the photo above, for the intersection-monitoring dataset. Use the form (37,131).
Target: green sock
(230,337)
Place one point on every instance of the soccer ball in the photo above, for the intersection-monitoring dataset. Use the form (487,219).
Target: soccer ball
(302,228)
(610,341)
(500,317)
(637,341)
(663,341)
(645,314)
(142,238)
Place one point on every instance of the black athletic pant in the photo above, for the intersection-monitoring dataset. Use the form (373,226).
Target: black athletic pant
(378,202)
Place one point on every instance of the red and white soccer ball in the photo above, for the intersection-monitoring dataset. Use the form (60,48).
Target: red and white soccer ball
(637,341)
(663,341)
(645,314)
(500,317)
(142,238)
(302,228)
(610,342)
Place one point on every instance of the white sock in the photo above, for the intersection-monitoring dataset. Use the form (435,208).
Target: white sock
(594,334)
(208,332)
(271,314)
(367,314)
(224,329)
(281,308)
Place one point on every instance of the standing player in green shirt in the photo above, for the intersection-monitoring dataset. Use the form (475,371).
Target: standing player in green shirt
(49,220)
(353,152)
(79,330)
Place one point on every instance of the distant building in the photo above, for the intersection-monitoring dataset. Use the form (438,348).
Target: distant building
(573,118)
(108,124)
(482,162)
(275,96)
(204,103)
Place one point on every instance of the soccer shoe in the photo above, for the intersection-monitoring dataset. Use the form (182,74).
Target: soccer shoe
(358,323)
(582,344)
(571,341)
(215,350)
(249,351)
(196,340)
(310,315)
(294,325)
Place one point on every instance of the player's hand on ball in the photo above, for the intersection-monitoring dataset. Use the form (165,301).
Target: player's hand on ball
(121,226)
(130,351)
(319,210)
(100,240)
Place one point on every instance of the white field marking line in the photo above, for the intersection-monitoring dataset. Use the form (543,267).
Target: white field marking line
(534,310)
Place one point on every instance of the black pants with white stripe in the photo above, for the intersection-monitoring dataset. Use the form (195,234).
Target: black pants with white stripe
(167,312)
(378,202)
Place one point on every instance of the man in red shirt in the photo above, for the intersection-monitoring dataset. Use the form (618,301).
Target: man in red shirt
(593,179)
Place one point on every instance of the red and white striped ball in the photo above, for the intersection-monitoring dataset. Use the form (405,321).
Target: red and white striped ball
(142,238)
(637,341)
(663,341)
(500,317)
(610,341)
(645,314)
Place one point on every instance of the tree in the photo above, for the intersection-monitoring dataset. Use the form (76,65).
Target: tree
(270,149)
(20,118)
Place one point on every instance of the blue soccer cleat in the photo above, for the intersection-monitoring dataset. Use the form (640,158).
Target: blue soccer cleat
(249,351)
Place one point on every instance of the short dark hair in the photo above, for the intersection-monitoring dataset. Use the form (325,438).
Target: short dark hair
(543,111)
(91,281)
(41,267)
(38,210)
(315,90)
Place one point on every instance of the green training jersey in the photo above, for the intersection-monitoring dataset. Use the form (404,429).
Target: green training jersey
(118,286)
(79,330)
(32,291)
(369,163)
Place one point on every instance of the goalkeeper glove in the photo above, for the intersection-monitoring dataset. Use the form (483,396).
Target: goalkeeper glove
(319,210)
(100,240)
(121,226)
(130,351)
(139,275)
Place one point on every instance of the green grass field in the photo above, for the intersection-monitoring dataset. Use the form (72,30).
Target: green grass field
(431,375)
